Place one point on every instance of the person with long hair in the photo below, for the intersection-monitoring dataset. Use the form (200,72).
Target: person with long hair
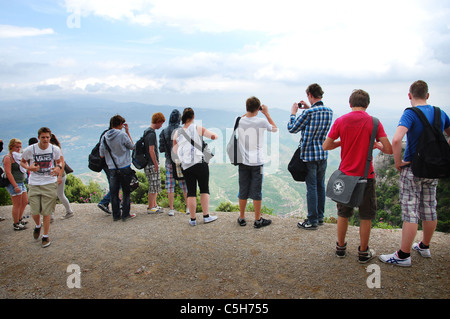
(16,189)
(195,168)
(62,183)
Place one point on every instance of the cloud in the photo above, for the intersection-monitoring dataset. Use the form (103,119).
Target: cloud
(10,31)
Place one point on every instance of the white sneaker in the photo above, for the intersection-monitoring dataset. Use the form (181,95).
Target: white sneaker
(209,219)
(423,252)
(395,260)
(192,222)
(171,212)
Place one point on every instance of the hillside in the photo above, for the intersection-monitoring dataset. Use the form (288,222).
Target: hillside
(162,257)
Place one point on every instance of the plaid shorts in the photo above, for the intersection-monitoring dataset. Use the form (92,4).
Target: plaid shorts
(154,179)
(417,197)
(171,181)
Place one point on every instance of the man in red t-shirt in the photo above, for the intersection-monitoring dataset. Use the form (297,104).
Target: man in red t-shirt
(354,130)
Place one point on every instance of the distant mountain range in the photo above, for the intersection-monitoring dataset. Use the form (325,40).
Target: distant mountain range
(79,122)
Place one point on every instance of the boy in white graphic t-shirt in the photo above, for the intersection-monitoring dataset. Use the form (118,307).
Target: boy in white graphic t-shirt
(46,162)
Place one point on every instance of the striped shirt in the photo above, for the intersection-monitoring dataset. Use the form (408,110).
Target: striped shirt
(314,123)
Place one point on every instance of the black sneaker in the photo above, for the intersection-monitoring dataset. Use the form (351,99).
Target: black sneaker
(19,226)
(341,251)
(104,208)
(262,222)
(365,256)
(36,232)
(306,225)
(241,222)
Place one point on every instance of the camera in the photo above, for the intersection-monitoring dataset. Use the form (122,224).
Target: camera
(300,105)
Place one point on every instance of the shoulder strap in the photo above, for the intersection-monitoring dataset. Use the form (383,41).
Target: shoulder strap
(372,140)
(191,140)
(110,153)
(236,123)
(437,118)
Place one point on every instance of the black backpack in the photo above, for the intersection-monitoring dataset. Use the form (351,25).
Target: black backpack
(139,156)
(95,162)
(432,156)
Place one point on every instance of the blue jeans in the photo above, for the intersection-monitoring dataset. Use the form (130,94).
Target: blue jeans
(315,190)
(120,178)
(107,198)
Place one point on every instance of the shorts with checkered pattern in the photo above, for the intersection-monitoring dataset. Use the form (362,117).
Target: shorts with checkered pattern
(154,179)
(417,197)
(171,181)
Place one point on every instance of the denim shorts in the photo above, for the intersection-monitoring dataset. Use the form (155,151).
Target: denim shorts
(12,191)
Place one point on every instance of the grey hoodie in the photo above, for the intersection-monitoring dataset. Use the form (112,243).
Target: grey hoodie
(120,145)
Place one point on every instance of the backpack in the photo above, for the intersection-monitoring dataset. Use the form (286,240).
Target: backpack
(139,156)
(234,148)
(432,156)
(95,162)
(4,181)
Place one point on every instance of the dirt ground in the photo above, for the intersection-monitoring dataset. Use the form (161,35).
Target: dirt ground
(162,257)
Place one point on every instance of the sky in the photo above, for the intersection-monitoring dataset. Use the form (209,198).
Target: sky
(216,54)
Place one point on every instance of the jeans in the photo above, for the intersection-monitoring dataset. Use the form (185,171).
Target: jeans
(120,178)
(107,198)
(315,190)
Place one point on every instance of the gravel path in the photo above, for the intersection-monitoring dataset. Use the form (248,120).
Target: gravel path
(162,257)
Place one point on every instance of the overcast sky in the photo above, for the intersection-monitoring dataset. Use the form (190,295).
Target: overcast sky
(206,53)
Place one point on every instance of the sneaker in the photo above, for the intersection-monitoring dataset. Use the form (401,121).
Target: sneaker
(241,222)
(171,212)
(306,225)
(424,252)
(19,226)
(262,223)
(193,222)
(36,232)
(341,251)
(365,256)
(67,215)
(154,210)
(209,219)
(45,242)
(395,260)
(320,222)
(104,208)
(23,222)
(131,216)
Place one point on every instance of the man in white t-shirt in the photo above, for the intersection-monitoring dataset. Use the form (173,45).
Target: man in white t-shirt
(250,132)
(45,164)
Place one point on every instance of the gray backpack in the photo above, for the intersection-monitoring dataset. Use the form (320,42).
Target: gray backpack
(349,190)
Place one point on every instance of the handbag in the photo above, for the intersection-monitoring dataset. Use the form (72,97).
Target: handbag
(67,168)
(349,190)
(207,154)
(134,183)
(4,181)
(297,167)
(234,148)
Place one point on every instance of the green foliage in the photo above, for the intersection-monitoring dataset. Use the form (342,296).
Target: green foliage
(5,199)
(77,192)
(229,207)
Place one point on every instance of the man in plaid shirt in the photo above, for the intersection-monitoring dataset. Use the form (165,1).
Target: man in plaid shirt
(314,124)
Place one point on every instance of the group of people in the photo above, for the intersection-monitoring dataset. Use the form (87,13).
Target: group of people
(351,132)
(42,165)
(183,145)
